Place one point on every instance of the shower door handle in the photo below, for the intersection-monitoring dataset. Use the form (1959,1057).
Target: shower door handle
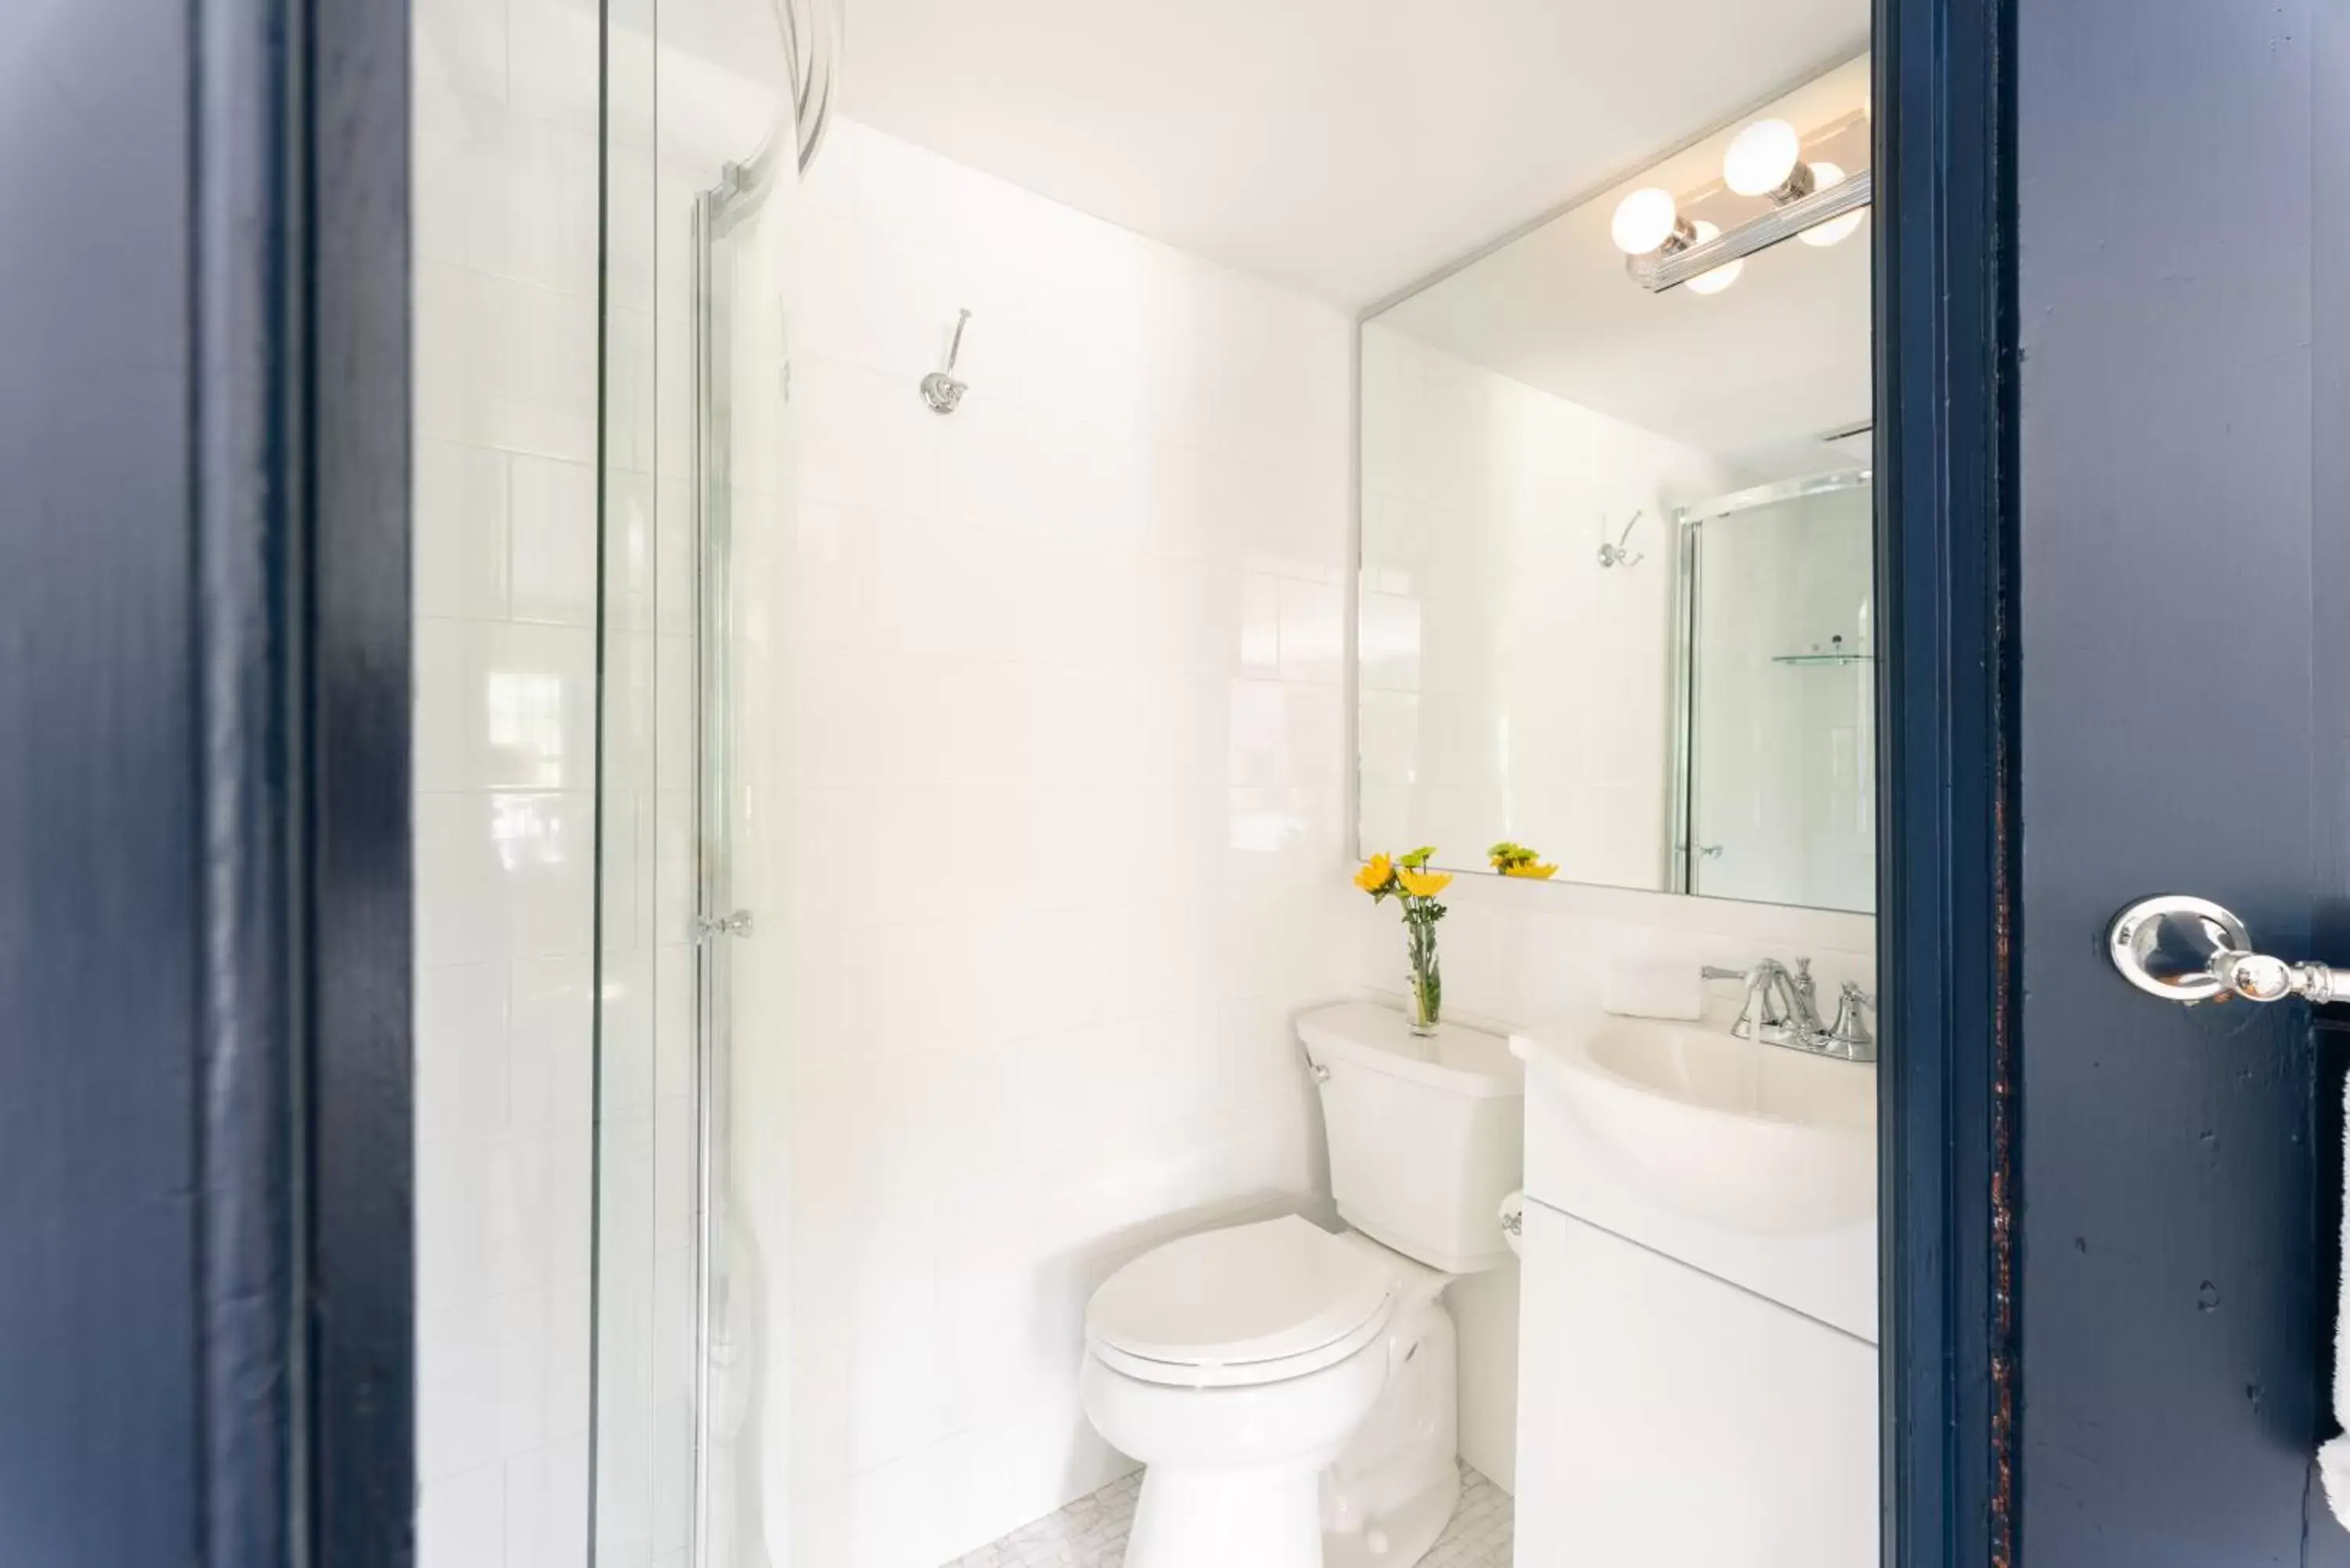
(737,924)
(2187,949)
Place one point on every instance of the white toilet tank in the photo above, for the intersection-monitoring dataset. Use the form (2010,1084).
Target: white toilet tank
(1427,1135)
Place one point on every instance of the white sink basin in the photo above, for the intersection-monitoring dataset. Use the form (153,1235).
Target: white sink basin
(1752,1137)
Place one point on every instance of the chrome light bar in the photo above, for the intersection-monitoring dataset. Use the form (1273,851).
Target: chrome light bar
(1659,271)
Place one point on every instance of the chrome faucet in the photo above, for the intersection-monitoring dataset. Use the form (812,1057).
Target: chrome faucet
(1781,1008)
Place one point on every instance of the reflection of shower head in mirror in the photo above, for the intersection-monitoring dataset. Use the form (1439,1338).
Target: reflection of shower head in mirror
(1616,555)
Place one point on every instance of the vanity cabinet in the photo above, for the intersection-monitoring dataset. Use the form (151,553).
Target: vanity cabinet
(1669,1419)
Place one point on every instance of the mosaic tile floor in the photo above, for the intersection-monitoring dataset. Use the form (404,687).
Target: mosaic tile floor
(1091,1532)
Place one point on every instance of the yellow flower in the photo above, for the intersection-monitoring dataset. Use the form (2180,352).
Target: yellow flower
(1375,874)
(1530,868)
(1424,884)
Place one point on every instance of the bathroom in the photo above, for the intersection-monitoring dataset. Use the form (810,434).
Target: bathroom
(938,564)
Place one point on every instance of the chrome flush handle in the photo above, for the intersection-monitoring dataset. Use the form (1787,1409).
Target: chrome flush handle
(2187,949)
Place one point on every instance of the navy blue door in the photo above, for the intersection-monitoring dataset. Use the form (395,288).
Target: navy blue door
(97,970)
(2182,676)
(2113,433)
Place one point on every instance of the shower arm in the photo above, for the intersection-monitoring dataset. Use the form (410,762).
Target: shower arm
(955,347)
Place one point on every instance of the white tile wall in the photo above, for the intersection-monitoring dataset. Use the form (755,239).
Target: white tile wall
(1064,680)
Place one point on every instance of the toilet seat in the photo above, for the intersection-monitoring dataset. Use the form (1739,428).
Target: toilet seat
(1242,1306)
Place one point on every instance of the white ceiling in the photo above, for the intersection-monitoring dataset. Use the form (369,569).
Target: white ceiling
(1752,375)
(1346,148)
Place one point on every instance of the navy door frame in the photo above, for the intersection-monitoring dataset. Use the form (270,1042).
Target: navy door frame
(205,1184)
(302,532)
(301,406)
(1947,932)
(356,1495)
(302,401)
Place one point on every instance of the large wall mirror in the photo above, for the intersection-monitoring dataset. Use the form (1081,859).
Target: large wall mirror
(1616,546)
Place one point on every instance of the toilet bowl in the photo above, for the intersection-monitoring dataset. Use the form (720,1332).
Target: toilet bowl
(1289,1391)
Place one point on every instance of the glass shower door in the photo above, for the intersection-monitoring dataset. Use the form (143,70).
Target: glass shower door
(641,1453)
(1780,727)
(705,104)
(744,457)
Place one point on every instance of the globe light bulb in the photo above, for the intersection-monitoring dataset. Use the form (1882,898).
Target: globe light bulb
(1644,221)
(1760,157)
(1718,278)
(1836,228)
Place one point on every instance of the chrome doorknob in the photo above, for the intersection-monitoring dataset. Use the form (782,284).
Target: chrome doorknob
(2187,949)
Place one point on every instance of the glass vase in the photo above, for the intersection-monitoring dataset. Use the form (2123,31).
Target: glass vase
(1424,994)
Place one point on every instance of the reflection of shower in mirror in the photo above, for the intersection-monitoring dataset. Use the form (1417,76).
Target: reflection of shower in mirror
(1616,554)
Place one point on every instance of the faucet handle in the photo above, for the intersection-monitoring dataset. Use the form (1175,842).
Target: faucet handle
(1800,977)
(1850,1028)
(1757,1008)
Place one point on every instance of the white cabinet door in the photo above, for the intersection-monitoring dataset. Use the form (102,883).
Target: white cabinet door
(1666,1419)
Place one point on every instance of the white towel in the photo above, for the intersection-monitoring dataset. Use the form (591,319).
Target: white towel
(2333,1455)
(1652,988)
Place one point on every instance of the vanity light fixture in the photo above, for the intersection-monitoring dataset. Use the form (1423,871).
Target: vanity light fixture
(1824,234)
(1767,158)
(1720,277)
(1648,221)
(1817,203)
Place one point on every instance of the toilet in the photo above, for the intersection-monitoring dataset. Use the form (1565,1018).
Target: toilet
(1291,1391)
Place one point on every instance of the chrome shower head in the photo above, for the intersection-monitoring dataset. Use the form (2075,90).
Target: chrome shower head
(941,390)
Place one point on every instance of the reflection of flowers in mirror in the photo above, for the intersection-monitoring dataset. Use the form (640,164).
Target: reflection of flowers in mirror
(1517,861)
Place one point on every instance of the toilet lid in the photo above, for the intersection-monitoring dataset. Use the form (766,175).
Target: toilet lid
(1252,1293)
